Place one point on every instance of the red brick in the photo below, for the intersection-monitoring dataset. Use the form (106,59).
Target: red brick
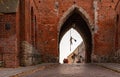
(44,35)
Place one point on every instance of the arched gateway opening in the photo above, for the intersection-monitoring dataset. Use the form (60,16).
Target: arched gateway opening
(76,20)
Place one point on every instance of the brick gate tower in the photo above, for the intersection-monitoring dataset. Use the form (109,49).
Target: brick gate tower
(31,30)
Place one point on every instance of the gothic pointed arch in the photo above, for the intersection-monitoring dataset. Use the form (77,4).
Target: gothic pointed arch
(78,19)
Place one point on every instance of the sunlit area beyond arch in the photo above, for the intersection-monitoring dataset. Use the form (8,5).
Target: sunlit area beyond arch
(67,46)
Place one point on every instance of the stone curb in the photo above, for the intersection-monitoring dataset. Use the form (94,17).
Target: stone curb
(29,72)
(115,70)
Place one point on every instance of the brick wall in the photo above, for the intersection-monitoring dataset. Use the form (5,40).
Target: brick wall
(101,14)
(21,38)
(28,21)
(50,13)
(107,37)
(118,24)
(104,36)
(8,40)
(116,55)
(39,29)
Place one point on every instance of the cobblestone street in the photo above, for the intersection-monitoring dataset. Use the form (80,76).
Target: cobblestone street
(74,70)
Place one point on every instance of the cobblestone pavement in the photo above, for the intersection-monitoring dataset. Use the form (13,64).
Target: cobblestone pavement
(74,70)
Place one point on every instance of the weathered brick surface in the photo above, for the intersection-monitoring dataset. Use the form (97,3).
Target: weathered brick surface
(28,35)
(51,12)
(37,23)
(8,40)
(1,54)
(11,60)
(106,39)
(118,25)
(105,35)
(29,55)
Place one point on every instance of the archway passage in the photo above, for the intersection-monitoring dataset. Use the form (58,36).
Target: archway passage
(77,21)
(71,43)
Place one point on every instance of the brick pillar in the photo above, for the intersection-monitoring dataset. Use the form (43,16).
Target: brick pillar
(29,55)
